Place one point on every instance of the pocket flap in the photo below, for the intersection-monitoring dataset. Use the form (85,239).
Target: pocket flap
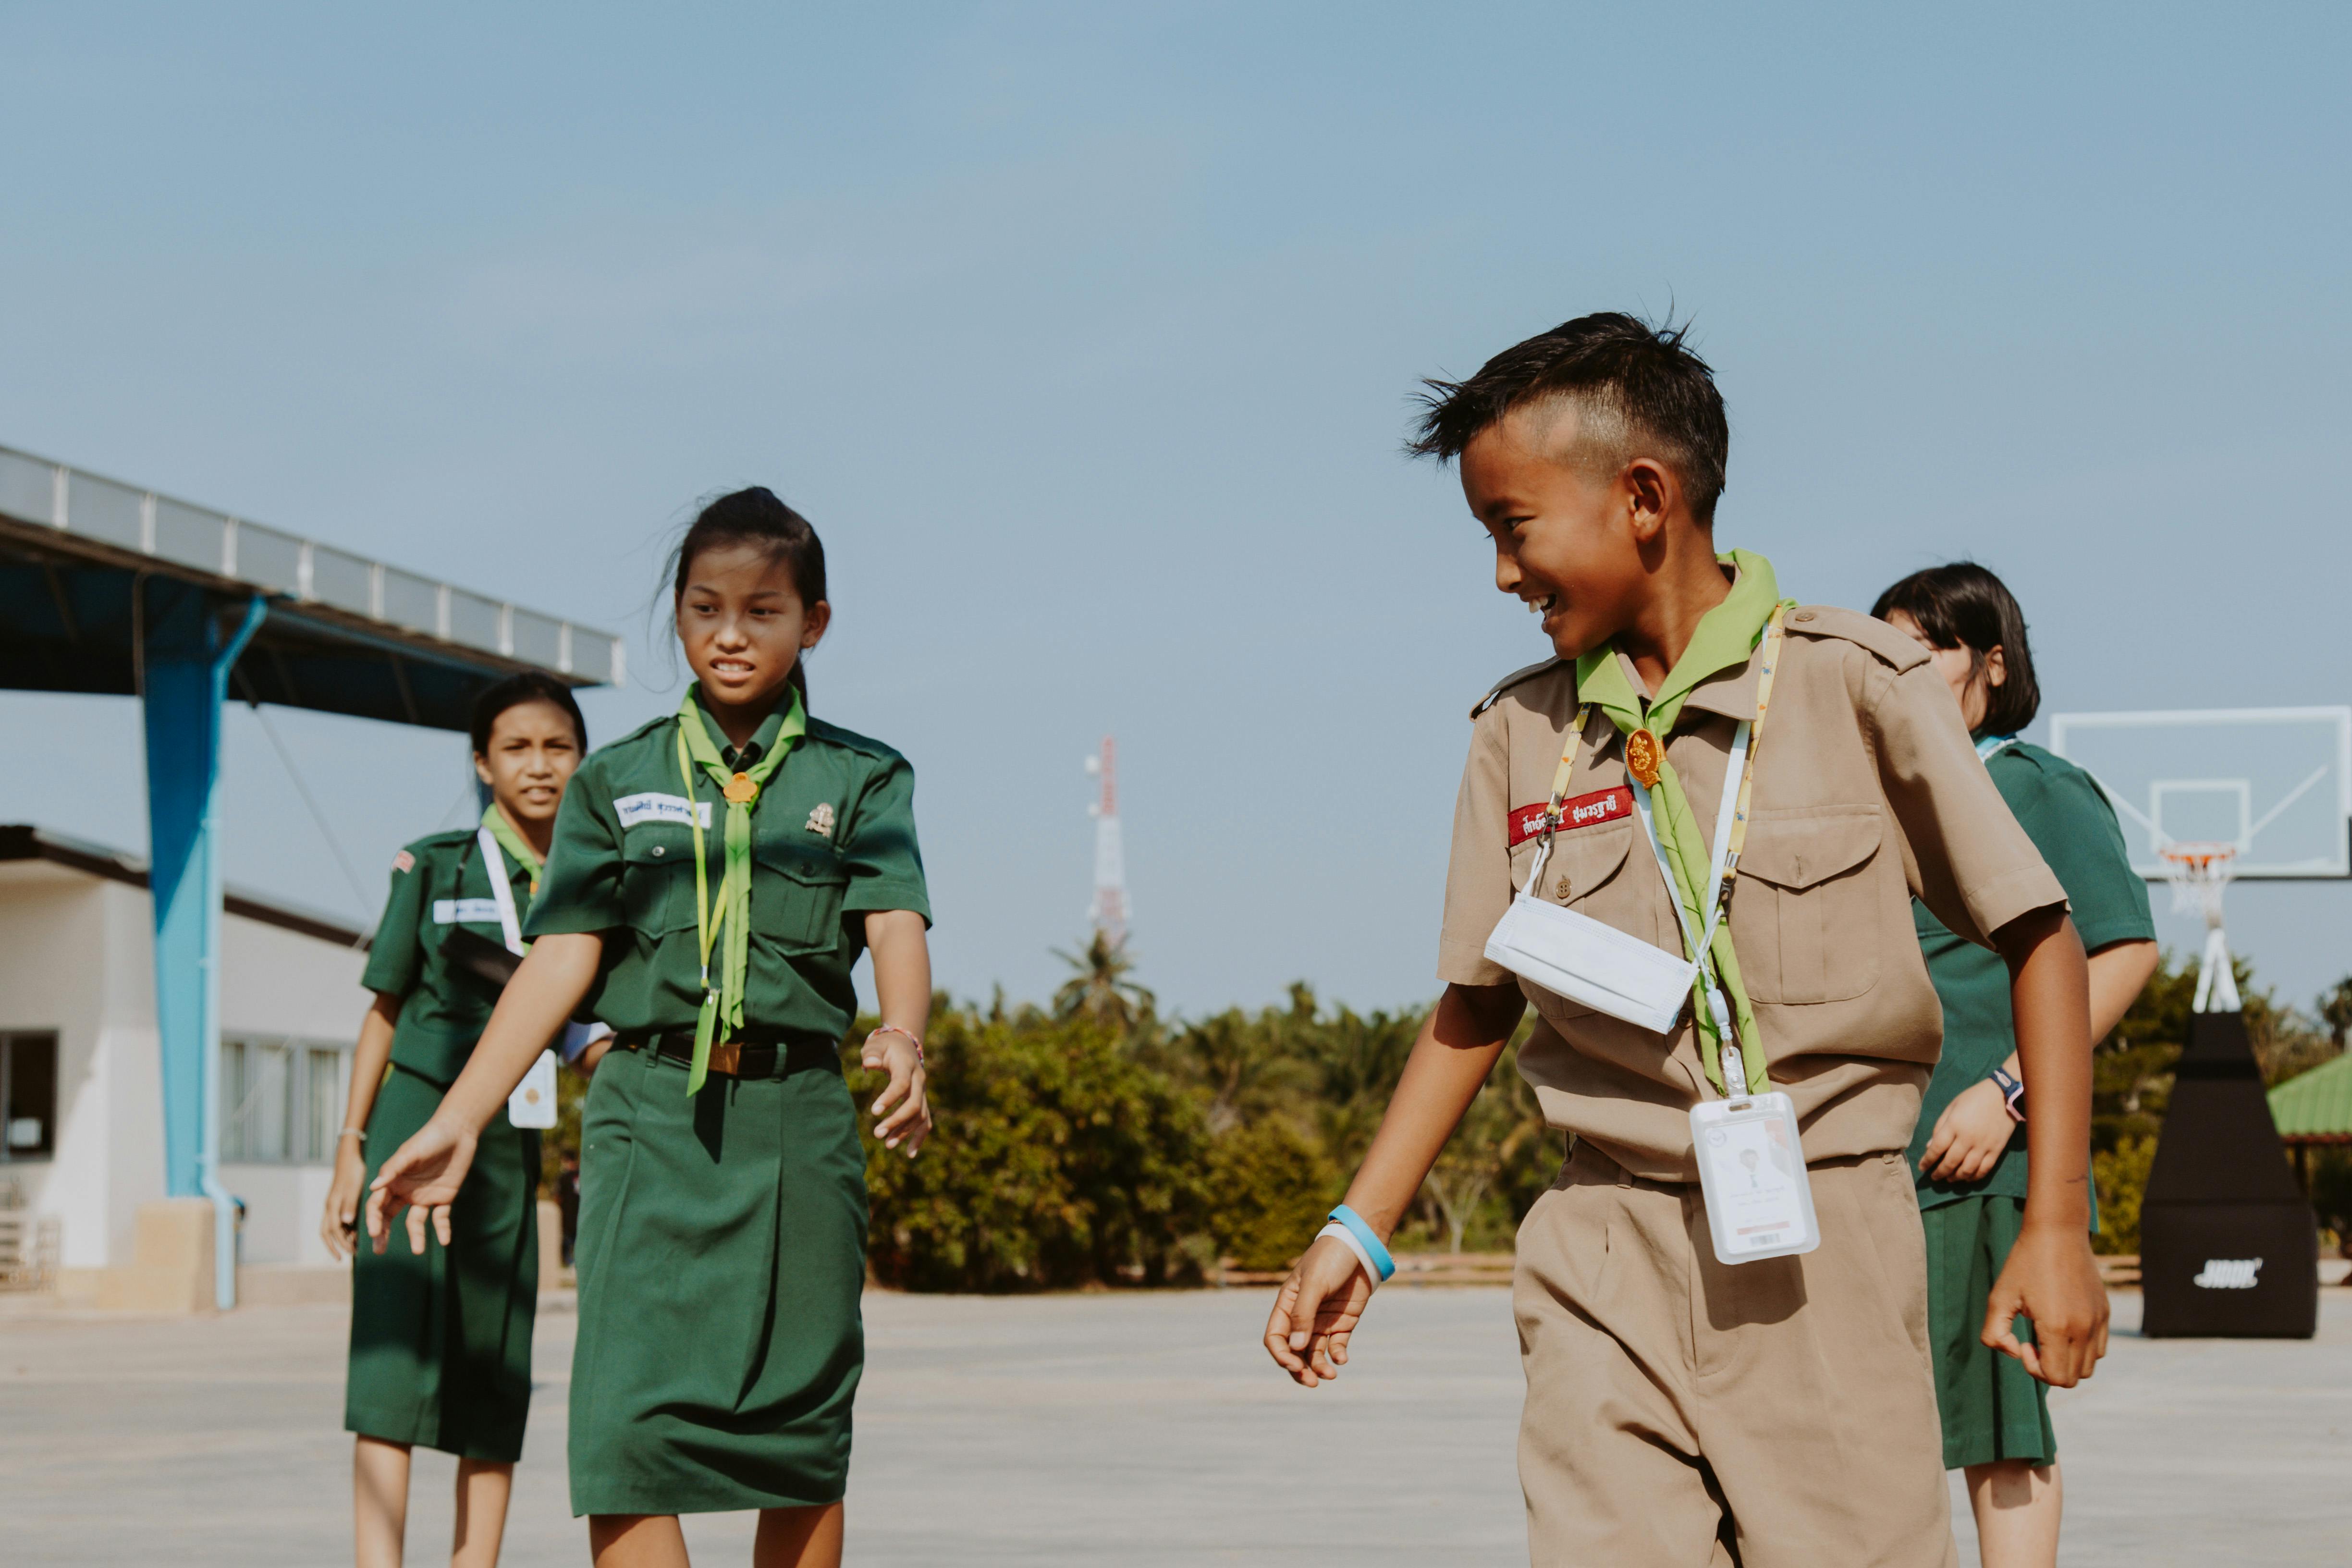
(1589,856)
(657,846)
(1802,850)
(813,862)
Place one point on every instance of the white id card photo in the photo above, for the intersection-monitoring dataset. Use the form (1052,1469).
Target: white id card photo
(532,1104)
(1751,1171)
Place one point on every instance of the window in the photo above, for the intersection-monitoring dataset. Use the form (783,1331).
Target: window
(281,1101)
(325,1100)
(28,1097)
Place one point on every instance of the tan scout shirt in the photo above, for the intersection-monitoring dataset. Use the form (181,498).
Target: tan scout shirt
(1867,794)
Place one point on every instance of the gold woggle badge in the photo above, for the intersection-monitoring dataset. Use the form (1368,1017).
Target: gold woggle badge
(741,790)
(1643,757)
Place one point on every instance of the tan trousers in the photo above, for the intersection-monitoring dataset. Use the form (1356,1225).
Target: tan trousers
(1680,1412)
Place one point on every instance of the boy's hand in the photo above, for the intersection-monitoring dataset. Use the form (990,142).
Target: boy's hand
(1317,1309)
(422,1176)
(1970,1136)
(2051,1278)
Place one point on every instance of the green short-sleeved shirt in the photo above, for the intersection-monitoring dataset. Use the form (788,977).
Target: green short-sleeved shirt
(833,838)
(2068,820)
(440,884)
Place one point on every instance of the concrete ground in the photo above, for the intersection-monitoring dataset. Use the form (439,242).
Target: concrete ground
(1143,1429)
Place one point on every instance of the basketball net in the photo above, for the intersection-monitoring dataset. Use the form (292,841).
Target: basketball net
(2199,872)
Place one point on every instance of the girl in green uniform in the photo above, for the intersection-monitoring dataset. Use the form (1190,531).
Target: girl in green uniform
(714,877)
(1969,1147)
(441,1336)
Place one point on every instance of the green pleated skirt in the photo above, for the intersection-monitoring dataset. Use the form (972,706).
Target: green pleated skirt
(1993,1407)
(441,1341)
(722,1252)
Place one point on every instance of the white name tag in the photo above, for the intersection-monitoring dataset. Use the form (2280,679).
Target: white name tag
(1751,1171)
(637,808)
(532,1104)
(455,911)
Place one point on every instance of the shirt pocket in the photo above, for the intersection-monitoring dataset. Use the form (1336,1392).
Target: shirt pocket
(658,878)
(1808,928)
(1598,872)
(797,891)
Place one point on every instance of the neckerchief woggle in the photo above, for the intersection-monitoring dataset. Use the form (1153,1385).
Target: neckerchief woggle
(724,1002)
(496,834)
(1726,637)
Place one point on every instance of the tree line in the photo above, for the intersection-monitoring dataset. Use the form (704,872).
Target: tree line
(1093,1142)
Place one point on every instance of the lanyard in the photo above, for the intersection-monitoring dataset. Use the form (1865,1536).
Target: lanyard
(742,791)
(1730,838)
(501,890)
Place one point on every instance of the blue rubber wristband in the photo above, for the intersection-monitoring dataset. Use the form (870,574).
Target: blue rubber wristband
(1363,1233)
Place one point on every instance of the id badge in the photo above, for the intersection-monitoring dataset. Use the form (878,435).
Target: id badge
(532,1104)
(1751,1172)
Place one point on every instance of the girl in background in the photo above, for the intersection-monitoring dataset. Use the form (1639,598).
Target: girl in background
(715,877)
(440,1350)
(1969,1153)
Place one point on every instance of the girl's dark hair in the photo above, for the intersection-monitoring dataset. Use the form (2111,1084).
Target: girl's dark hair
(1964,605)
(756,516)
(513,693)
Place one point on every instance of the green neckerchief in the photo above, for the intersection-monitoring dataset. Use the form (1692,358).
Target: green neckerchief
(742,791)
(513,842)
(1725,638)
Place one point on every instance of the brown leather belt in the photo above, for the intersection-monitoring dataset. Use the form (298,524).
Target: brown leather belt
(742,1058)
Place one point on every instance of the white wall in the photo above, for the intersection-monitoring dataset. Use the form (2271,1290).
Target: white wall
(77,956)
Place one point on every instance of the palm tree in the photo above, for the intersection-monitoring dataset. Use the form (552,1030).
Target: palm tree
(1101,989)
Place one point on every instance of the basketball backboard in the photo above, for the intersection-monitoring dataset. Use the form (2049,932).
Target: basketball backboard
(2274,783)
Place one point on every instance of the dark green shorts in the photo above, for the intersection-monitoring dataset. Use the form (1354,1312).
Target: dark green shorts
(1993,1407)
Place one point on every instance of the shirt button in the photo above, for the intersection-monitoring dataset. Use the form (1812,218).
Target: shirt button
(657,850)
(1803,616)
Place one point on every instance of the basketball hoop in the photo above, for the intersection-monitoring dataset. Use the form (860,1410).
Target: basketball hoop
(2199,871)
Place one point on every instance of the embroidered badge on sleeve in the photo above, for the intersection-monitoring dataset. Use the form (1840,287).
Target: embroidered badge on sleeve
(404,861)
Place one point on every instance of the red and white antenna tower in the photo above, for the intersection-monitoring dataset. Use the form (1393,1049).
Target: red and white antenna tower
(1109,911)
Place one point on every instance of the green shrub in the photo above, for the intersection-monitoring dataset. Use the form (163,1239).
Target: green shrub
(1058,1160)
(2122,1177)
(1273,1186)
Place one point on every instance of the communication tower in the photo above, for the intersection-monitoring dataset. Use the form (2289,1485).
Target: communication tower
(1110,911)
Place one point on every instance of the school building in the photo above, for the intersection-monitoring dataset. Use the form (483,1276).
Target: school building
(80,1079)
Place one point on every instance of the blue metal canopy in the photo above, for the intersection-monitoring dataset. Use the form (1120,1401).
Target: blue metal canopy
(109,589)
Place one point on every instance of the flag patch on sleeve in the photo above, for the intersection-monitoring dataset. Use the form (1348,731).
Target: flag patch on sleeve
(1577,811)
(404,861)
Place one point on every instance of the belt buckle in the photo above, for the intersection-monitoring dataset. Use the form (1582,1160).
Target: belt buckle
(727,1057)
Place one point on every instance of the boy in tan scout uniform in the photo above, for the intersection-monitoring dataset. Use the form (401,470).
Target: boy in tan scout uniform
(1681,1410)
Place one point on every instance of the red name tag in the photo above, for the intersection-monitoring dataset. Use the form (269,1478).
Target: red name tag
(1578,811)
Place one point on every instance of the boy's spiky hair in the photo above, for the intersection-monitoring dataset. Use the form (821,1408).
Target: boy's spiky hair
(1639,390)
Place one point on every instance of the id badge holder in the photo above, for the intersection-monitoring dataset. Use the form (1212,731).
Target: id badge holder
(1751,1173)
(532,1104)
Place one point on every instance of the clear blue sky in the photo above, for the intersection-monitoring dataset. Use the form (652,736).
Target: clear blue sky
(1085,336)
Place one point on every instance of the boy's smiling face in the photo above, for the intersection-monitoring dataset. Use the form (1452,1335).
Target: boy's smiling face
(1576,545)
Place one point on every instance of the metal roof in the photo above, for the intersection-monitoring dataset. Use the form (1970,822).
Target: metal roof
(2316,1107)
(22,841)
(345,633)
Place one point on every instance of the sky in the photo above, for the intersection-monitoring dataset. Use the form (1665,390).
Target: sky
(1087,336)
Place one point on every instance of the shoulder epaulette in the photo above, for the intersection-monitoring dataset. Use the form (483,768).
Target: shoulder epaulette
(639,733)
(850,739)
(450,838)
(1513,680)
(1897,648)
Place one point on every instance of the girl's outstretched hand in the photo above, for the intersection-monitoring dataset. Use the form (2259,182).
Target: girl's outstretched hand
(1317,1309)
(422,1176)
(887,1050)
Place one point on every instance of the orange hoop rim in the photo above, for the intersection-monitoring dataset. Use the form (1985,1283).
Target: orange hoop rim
(2198,855)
